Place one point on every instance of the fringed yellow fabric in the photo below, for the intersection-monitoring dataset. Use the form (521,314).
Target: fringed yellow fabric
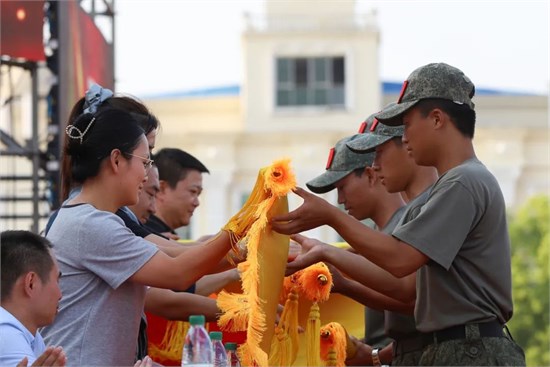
(235,309)
(171,345)
(333,344)
(315,283)
(263,270)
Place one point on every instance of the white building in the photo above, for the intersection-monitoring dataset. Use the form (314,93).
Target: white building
(311,76)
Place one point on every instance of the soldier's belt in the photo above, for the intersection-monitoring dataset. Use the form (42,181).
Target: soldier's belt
(469,331)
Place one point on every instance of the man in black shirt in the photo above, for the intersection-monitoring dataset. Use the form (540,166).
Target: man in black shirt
(180,177)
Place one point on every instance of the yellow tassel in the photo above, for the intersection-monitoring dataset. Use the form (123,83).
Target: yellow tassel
(280,348)
(284,347)
(291,324)
(351,349)
(313,339)
(314,283)
(334,342)
(289,285)
(275,351)
(331,358)
(171,346)
(262,272)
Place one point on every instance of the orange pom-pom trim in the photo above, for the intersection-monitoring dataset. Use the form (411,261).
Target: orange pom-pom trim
(315,282)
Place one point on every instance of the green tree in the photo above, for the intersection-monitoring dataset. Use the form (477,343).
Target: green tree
(530,238)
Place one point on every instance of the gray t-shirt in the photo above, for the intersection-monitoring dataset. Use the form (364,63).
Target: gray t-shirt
(375,336)
(398,325)
(99,314)
(462,229)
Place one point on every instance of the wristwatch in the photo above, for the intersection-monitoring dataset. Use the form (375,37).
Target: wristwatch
(375,357)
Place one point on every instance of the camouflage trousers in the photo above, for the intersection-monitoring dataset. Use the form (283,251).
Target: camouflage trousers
(408,349)
(407,359)
(474,350)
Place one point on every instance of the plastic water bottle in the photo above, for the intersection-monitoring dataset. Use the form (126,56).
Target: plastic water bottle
(197,348)
(232,357)
(219,357)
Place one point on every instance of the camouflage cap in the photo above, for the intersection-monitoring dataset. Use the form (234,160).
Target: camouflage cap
(430,81)
(374,134)
(341,162)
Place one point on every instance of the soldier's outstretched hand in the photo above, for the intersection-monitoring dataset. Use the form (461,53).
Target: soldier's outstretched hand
(313,251)
(314,212)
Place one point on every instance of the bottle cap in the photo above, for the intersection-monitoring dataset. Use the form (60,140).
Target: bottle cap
(216,335)
(231,346)
(197,320)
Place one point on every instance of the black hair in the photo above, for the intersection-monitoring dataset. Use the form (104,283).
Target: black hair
(22,252)
(103,132)
(144,118)
(174,164)
(461,115)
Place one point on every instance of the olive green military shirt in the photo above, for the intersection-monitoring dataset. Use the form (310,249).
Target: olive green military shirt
(462,229)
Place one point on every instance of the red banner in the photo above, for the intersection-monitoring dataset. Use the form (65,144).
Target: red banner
(85,56)
(21,29)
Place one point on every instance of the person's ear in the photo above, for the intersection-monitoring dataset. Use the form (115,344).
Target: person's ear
(437,117)
(371,175)
(114,159)
(29,282)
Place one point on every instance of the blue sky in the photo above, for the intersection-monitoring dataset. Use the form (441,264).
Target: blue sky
(177,45)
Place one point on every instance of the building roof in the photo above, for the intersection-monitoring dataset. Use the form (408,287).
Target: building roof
(222,91)
(388,87)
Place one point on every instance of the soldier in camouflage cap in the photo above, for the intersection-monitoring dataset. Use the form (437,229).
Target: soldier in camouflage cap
(398,173)
(457,244)
(377,134)
(341,162)
(437,80)
(363,196)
